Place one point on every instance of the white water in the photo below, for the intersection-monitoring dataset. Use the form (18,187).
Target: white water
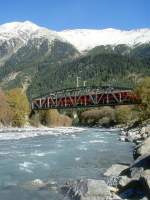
(20,133)
(55,155)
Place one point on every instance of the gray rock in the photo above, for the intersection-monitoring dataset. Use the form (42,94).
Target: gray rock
(87,190)
(144,198)
(124,180)
(123,133)
(145,130)
(113,181)
(137,168)
(146,178)
(34,184)
(144,148)
(132,137)
(115,170)
(142,161)
(136,178)
(38,184)
(115,197)
(136,172)
(123,139)
(131,188)
(97,189)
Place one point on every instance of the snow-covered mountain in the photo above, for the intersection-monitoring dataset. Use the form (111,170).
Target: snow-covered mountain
(17,34)
(85,39)
(32,56)
(25,31)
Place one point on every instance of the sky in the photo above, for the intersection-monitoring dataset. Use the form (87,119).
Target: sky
(72,14)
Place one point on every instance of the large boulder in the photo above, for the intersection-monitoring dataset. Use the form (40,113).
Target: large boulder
(131,188)
(123,181)
(38,184)
(143,148)
(145,176)
(145,131)
(87,190)
(138,166)
(34,184)
(115,170)
(133,136)
(135,180)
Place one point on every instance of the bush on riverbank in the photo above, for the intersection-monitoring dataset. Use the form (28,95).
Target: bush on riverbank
(50,118)
(108,116)
(19,107)
(103,117)
(5,110)
(14,108)
(143,91)
(124,114)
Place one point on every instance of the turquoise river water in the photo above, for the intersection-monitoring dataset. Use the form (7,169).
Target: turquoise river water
(55,155)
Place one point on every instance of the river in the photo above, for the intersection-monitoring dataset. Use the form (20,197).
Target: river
(55,155)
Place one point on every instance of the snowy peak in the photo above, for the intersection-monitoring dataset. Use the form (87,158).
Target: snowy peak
(16,35)
(82,39)
(14,26)
(25,31)
(85,39)
(20,30)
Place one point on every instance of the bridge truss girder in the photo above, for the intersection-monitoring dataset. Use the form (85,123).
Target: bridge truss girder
(86,97)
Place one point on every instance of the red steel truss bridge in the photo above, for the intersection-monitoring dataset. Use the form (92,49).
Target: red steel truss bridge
(82,97)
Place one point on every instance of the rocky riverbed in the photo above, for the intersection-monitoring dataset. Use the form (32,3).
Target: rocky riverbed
(121,181)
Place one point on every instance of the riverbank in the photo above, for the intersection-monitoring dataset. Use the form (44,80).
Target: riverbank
(121,181)
(134,181)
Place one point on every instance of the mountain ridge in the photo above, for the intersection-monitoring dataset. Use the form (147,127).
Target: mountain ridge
(82,39)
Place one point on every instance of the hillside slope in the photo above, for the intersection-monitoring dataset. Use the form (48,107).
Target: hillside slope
(95,68)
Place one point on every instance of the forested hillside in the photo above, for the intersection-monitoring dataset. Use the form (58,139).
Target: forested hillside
(101,66)
(21,68)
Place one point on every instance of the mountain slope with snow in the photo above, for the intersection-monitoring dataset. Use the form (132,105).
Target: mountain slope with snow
(23,46)
(85,39)
(25,31)
(16,35)
(82,39)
